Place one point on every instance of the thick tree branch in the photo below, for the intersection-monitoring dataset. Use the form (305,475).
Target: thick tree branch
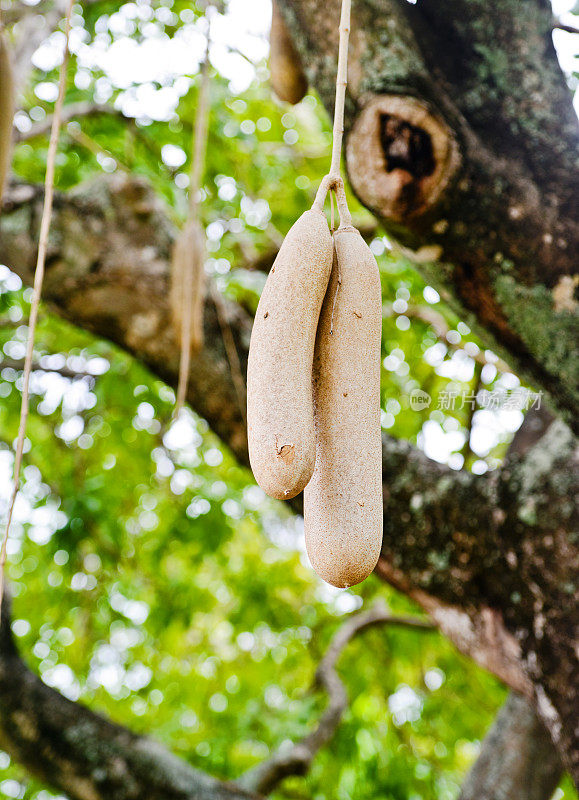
(462,139)
(83,754)
(296,758)
(490,555)
(119,238)
(517,759)
(502,625)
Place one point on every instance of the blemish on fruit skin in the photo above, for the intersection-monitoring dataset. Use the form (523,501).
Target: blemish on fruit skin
(357,314)
(345,394)
(286,452)
(266,315)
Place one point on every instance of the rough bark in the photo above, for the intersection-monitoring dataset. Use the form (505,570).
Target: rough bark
(489,556)
(516,759)
(107,271)
(489,633)
(497,554)
(462,139)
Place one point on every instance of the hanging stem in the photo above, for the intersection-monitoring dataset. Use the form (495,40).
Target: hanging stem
(197,168)
(332,220)
(333,181)
(340,192)
(37,291)
(341,83)
(200,133)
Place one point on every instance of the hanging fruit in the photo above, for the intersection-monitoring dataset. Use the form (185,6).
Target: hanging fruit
(187,278)
(280,414)
(313,389)
(287,76)
(343,500)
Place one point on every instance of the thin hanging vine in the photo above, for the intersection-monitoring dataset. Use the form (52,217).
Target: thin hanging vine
(37,290)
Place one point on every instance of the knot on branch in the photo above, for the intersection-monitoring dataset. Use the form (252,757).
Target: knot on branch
(401,156)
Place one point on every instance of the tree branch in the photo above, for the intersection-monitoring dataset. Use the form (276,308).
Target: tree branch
(466,449)
(83,754)
(508,579)
(517,759)
(9,323)
(562,26)
(297,758)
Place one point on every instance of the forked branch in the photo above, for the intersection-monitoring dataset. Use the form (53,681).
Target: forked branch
(296,758)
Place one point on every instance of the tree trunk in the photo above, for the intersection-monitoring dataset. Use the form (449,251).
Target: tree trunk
(461,137)
(516,759)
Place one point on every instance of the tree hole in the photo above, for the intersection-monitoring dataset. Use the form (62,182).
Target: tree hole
(406,146)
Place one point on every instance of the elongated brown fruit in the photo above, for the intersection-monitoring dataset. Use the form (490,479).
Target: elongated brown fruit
(6,111)
(343,500)
(188,282)
(287,76)
(280,418)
